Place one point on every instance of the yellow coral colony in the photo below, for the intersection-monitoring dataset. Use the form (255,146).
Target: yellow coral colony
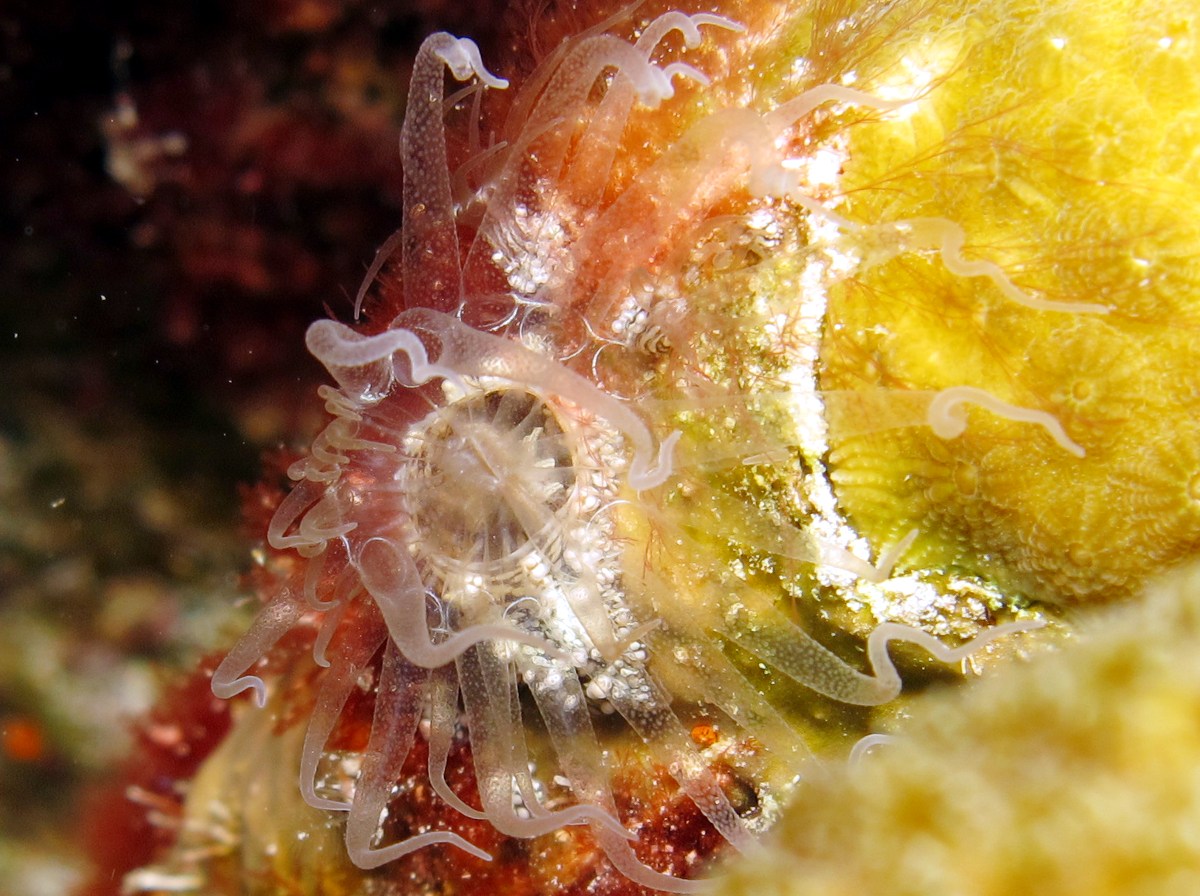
(1061,138)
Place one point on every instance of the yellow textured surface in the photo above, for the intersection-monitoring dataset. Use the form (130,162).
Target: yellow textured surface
(1061,138)
(1076,774)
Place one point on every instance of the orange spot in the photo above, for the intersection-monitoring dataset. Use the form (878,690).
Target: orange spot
(704,734)
(22,739)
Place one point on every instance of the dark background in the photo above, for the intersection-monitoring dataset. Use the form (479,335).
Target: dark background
(185,187)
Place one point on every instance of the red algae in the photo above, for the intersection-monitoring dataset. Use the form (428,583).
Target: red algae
(131,819)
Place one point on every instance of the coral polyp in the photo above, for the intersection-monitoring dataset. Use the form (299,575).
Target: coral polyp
(488,485)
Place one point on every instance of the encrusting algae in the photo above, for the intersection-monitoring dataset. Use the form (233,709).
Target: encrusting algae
(716,351)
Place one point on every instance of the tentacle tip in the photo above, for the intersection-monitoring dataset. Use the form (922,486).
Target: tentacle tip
(468,847)
(683,70)
(462,57)
(260,695)
(643,477)
(226,690)
(1024,625)
(716,21)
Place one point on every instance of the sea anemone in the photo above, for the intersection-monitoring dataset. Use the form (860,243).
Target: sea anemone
(488,518)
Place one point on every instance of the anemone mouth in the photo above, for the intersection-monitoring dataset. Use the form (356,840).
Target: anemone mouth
(488,482)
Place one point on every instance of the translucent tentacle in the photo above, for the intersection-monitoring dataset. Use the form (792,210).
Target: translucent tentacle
(567,87)
(382,255)
(949,421)
(619,851)
(501,760)
(593,161)
(303,496)
(271,624)
(648,712)
(560,700)
(443,721)
(534,86)
(865,745)
(329,627)
(429,246)
(722,684)
(949,238)
(397,710)
(359,645)
(798,655)
(392,579)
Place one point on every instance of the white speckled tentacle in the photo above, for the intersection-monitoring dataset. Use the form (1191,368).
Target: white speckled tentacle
(534,87)
(802,658)
(798,655)
(443,722)
(721,683)
(271,624)
(359,645)
(593,161)
(501,757)
(647,710)
(620,852)
(432,275)
(561,701)
(398,703)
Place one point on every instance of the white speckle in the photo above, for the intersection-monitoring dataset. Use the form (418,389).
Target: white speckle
(1058,42)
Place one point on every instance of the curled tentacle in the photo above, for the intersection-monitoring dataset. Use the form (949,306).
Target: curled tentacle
(501,759)
(271,624)
(948,421)
(801,657)
(443,719)
(358,645)
(398,702)
(395,584)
